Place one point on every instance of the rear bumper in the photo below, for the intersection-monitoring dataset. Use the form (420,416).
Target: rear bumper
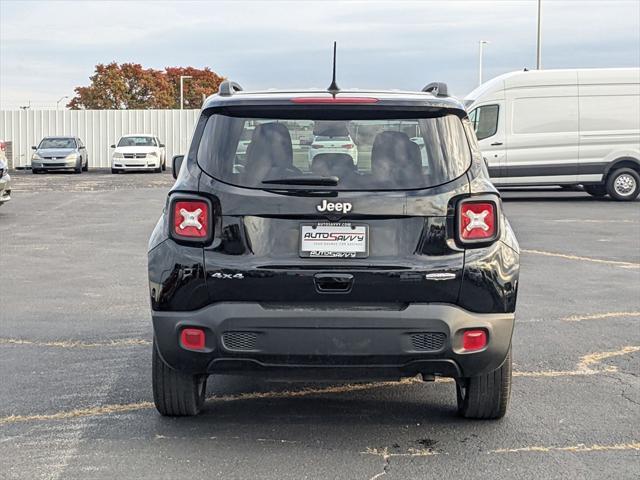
(321,342)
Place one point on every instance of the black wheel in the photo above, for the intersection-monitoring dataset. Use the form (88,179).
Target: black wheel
(86,167)
(485,396)
(596,190)
(35,171)
(78,169)
(164,165)
(157,170)
(114,170)
(176,394)
(623,184)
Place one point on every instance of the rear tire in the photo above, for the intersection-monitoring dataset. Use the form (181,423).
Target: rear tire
(35,171)
(157,170)
(114,170)
(176,394)
(86,167)
(485,396)
(597,191)
(623,184)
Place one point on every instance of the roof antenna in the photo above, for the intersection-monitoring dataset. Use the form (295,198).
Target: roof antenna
(333,88)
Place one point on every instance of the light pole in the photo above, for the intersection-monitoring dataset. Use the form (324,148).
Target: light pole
(538,43)
(58,102)
(182,79)
(481,44)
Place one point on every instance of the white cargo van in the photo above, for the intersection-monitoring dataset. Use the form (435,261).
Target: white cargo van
(562,127)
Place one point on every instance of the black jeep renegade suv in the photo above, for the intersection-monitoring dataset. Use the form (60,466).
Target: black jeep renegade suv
(325,234)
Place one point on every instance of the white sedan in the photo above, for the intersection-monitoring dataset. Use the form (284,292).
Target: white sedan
(325,144)
(138,152)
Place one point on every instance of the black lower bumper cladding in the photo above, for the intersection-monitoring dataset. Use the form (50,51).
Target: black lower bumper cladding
(340,342)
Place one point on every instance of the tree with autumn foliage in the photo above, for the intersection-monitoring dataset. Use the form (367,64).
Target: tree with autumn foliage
(130,86)
(203,82)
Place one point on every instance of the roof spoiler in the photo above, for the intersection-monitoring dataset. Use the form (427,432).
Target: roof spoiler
(438,89)
(228,88)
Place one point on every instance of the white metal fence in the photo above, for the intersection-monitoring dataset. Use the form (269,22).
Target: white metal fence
(98,129)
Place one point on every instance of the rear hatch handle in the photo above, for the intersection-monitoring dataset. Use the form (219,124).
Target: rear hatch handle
(333,282)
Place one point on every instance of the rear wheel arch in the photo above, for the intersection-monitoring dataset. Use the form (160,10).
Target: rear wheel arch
(622,162)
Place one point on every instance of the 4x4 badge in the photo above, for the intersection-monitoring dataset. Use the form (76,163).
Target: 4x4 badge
(344,207)
(227,276)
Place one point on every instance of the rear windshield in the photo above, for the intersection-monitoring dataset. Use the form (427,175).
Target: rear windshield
(364,154)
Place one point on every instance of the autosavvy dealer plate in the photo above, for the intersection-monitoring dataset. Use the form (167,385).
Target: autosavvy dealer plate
(334,240)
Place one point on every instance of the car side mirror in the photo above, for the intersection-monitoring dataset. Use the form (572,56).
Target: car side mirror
(113,146)
(162,145)
(176,163)
(34,148)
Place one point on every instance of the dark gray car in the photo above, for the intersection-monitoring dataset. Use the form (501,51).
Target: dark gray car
(60,153)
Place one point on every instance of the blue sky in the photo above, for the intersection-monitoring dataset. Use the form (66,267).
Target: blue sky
(48,48)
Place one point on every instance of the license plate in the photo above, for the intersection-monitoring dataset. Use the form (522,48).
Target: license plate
(334,240)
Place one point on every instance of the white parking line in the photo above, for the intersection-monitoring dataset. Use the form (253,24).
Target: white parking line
(582,259)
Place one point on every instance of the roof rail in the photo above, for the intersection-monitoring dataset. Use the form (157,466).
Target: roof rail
(439,89)
(228,88)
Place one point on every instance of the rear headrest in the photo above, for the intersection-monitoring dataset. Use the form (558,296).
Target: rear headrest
(329,164)
(331,128)
(396,160)
(270,142)
(269,153)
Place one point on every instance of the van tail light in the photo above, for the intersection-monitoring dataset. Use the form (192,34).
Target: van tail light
(191,219)
(477,222)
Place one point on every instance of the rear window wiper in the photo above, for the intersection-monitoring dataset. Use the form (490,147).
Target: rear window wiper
(322,181)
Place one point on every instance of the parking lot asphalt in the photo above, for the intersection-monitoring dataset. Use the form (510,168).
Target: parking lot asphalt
(75,369)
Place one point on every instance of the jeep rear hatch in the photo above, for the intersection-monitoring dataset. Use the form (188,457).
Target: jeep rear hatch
(366,222)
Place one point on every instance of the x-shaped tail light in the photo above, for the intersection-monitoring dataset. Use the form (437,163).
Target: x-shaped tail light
(477,221)
(191,219)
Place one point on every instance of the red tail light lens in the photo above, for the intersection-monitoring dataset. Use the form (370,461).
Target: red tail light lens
(474,340)
(477,221)
(192,338)
(191,219)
